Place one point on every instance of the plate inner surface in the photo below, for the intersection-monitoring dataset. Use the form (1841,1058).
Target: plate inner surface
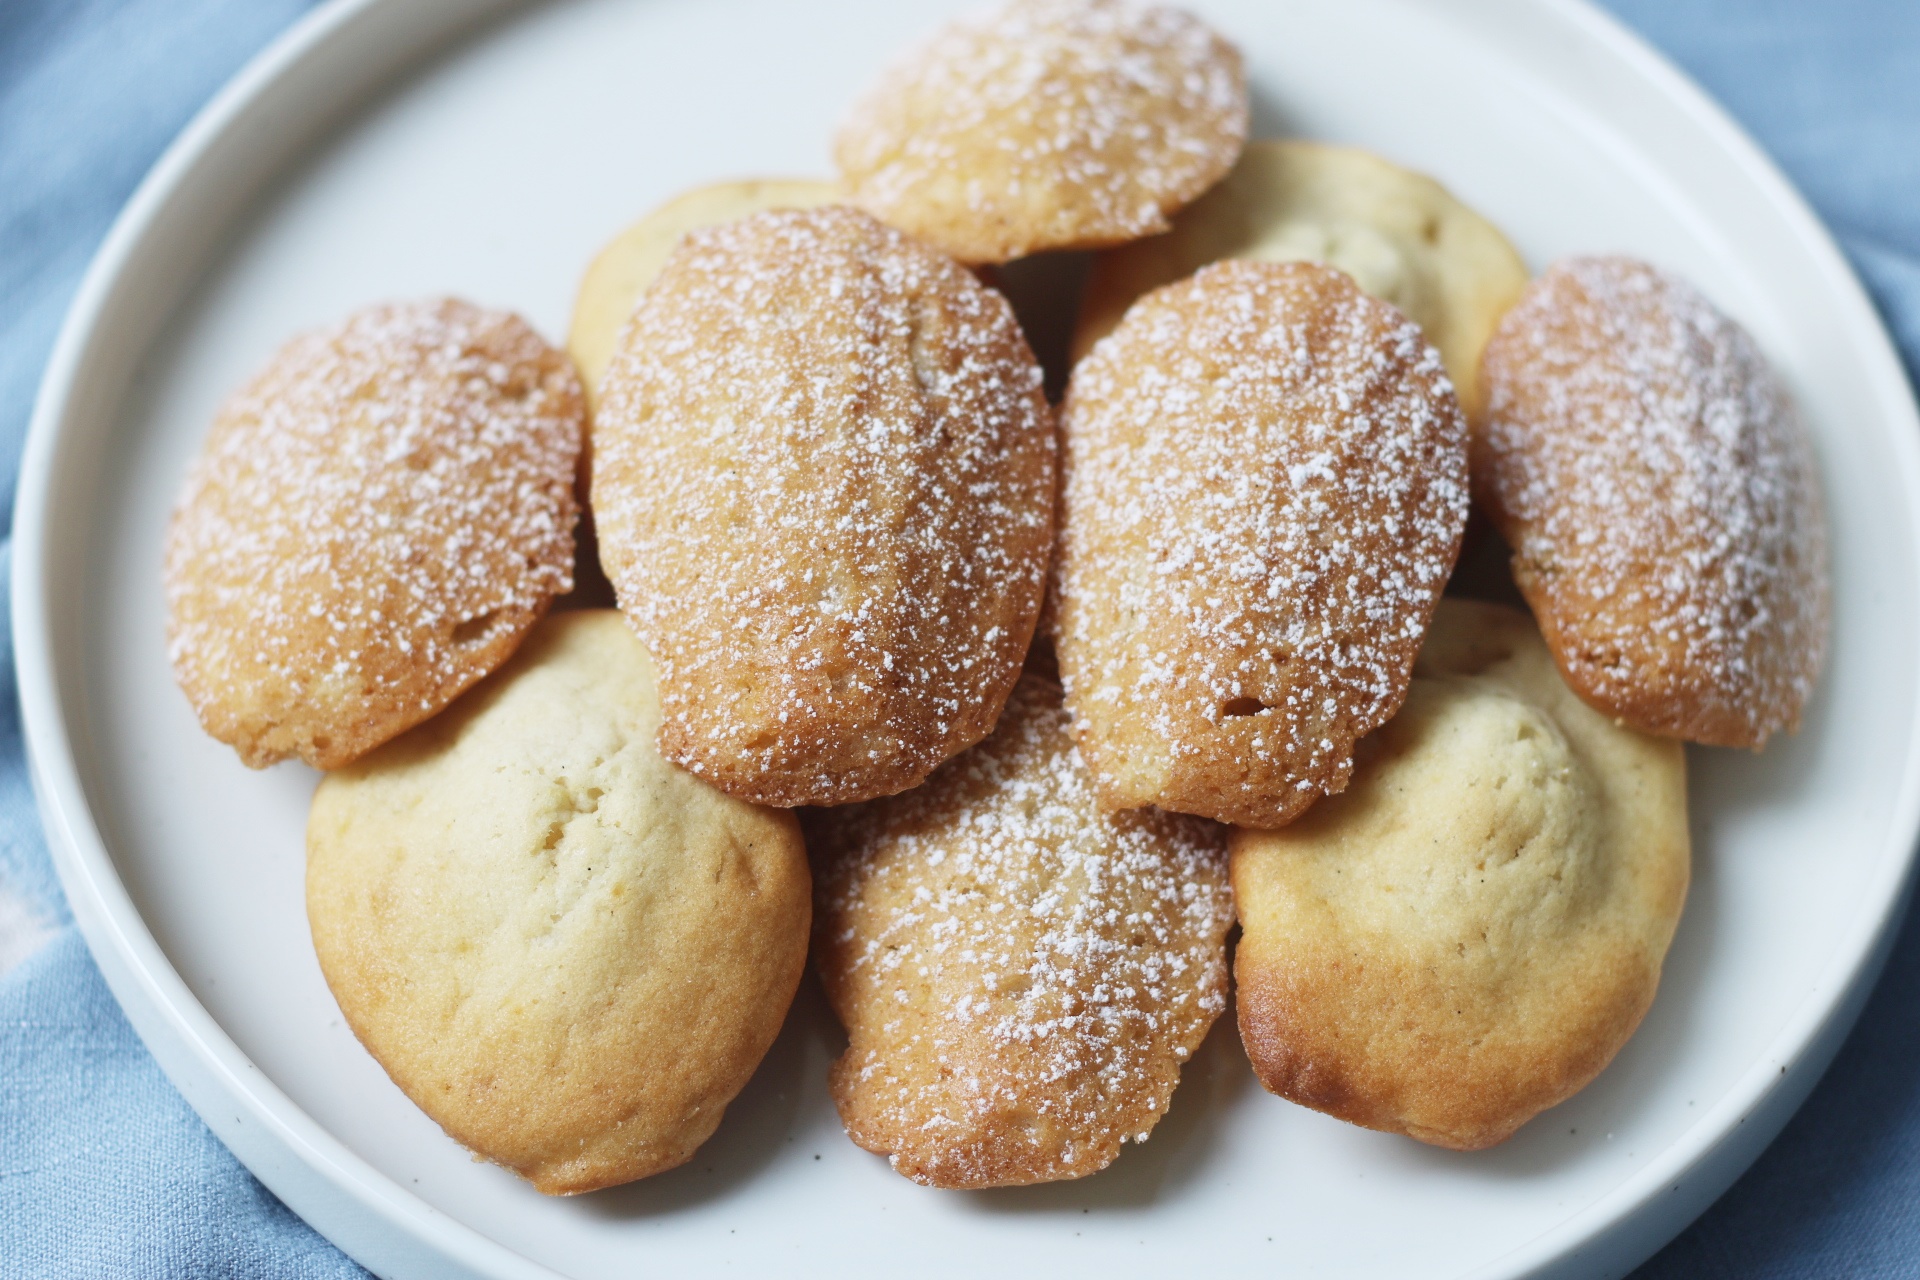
(499,169)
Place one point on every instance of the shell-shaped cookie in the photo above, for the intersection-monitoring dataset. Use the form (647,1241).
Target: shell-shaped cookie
(1660,495)
(1048,124)
(373,524)
(823,478)
(1470,932)
(1402,237)
(1265,490)
(621,271)
(1020,974)
(569,953)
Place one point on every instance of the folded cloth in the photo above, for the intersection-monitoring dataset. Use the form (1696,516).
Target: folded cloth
(105,1171)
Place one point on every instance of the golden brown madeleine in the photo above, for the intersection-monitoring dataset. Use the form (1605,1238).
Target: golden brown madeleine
(373,524)
(1661,498)
(1049,124)
(1265,489)
(621,272)
(1470,932)
(1400,235)
(823,480)
(569,953)
(1020,973)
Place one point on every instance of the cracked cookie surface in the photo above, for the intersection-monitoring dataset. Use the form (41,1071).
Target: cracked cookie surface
(512,903)
(1470,932)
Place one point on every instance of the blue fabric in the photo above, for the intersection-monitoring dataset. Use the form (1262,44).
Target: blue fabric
(105,1171)
(1833,92)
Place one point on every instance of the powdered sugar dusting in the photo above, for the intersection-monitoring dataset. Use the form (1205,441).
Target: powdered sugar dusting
(823,484)
(1265,492)
(1046,124)
(1660,496)
(1021,973)
(371,526)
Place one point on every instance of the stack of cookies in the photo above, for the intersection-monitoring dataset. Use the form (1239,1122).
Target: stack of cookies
(1014,716)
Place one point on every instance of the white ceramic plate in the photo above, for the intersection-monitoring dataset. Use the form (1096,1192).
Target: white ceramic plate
(406,147)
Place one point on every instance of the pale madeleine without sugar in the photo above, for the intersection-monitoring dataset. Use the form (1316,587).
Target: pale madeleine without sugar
(1047,124)
(1401,236)
(1660,495)
(373,524)
(569,953)
(824,479)
(1020,973)
(1470,932)
(621,271)
(1265,490)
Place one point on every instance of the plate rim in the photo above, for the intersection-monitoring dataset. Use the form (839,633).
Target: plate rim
(340,1192)
(275,1138)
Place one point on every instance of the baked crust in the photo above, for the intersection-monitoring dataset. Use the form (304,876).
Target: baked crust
(621,271)
(1020,974)
(1049,124)
(1265,488)
(1402,237)
(373,524)
(823,482)
(1661,498)
(512,902)
(1470,932)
